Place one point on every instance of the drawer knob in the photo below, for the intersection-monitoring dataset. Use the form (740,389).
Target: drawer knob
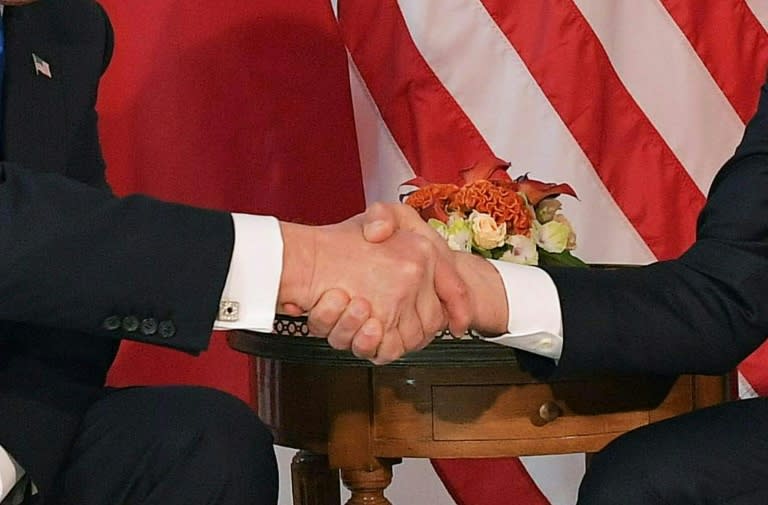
(549,411)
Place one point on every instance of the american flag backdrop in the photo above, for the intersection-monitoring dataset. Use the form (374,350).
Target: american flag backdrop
(307,109)
(635,103)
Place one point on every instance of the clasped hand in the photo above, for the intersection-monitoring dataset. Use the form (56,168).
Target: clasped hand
(380,284)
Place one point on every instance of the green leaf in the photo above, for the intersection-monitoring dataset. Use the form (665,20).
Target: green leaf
(563,259)
(482,252)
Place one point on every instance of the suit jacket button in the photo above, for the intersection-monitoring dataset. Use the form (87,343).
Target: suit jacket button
(130,323)
(111,323)
(167,329)
(149,326)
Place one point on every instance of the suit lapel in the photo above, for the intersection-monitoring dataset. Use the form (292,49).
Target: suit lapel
(34,116)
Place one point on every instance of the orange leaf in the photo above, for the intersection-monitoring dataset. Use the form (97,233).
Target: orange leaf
(536,191)
(490,169)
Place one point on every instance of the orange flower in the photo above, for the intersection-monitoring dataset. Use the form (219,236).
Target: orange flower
(431,201)
(485,187)
(494,198)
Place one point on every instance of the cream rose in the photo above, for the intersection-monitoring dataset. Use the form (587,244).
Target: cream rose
(487,234)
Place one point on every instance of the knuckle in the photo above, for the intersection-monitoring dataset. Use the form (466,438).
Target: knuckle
(424,246)
(413,268)
(356,314)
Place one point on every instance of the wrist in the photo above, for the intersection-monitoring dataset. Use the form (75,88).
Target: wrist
(299,246)
(488,297)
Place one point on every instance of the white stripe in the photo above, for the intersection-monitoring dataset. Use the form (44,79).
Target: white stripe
(668,80)
(383,164)
(475,62)
(557,477)
(760,9)
(745,388)
(8,473)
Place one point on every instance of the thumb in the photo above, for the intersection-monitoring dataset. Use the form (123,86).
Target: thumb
(379,223)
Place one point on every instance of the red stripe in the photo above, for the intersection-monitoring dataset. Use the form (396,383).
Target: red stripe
(731,43)
(631,158)
(435,135)
(488,482)
(755,369)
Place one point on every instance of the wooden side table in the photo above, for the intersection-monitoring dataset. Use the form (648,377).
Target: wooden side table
(454,399)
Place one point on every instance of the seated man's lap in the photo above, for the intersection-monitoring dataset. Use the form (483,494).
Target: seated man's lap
(714,455)
(169,445)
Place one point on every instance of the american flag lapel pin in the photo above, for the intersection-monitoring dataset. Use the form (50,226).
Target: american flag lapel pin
(41,66)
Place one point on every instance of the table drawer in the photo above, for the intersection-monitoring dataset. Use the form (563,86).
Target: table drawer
(525,411)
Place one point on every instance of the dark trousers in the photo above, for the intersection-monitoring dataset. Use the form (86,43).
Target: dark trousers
(714,456)
(168,446)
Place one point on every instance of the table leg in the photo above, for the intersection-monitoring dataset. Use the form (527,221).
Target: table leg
(313,482)
(368,487)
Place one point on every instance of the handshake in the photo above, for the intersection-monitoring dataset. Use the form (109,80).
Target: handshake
(384,283)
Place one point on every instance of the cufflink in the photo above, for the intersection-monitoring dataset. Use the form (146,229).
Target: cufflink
(229,311)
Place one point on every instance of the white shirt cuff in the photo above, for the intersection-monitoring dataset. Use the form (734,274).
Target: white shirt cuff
(249,298)
(535,320)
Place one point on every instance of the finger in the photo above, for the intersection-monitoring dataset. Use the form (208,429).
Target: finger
(355,315)
(451,289)
(290,309)
(327,311)
(429,308)
(433,318)
(379,222)
(454,296)
(391,349)
(428,338)
(366,341)
(410,330)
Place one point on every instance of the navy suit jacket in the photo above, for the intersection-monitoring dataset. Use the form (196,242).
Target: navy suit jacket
(701,313)
(79,268)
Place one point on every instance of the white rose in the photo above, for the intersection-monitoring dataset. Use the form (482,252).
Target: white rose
(571,245)
(439,226)
(553,236)
(522,250)
(487,234)
(459,234)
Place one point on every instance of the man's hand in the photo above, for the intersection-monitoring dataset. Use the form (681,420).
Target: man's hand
(344,326)
(397,277)
(381,220)
(487,296)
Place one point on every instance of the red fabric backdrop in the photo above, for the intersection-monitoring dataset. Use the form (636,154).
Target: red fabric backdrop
(238,105)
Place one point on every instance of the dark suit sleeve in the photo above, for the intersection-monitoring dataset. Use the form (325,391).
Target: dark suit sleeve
(702,313)
(76,257)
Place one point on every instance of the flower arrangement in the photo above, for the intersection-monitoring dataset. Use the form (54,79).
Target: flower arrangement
(488,213)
